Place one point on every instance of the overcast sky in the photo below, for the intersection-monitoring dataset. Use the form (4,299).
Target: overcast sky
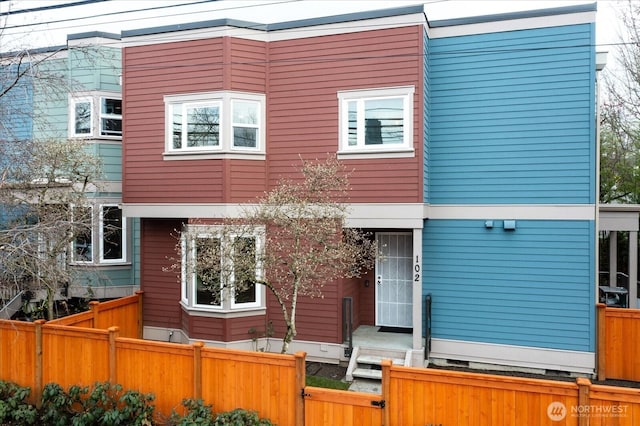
(50,27)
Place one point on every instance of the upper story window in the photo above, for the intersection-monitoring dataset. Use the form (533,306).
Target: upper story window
(95,115)
(219,269)
(215,123)
(376,121)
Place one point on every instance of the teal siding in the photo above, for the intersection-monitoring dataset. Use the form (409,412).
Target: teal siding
(50,102)
(512,117)
(531,287)
(95,68)
(111,157)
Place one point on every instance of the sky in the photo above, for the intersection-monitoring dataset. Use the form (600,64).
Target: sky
(50,27)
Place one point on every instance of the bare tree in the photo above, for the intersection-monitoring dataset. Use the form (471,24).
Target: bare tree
(44,177)
(43,191)
(620,120)
(293,241)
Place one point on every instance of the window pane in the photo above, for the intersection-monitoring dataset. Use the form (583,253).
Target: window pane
(112,243)
(245,112)
(82,243)
(177,127)
(111,106)
(245,137)
(244,269)
(203,126)
(383,121)
(208,271)
(83,118)
(111,126)
(353,123)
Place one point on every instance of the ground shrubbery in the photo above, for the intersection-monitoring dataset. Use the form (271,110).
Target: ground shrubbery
(107,404)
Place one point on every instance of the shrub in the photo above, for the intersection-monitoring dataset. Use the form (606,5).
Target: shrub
(240,417)
(196,413)
(13,406)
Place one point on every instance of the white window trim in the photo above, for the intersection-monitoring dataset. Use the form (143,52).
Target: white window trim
(189,279)
(123,259)
(225,148)
(374,151)
(95,100)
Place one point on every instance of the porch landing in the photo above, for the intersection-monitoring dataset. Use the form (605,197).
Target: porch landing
(368,336)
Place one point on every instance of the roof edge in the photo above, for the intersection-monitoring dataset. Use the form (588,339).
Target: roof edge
(481,19)
(91,34)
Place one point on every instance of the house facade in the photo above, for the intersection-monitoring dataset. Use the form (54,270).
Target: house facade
(473,149)
(73,92)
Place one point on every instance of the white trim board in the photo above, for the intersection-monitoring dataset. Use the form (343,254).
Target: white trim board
(515,356)
(514,211)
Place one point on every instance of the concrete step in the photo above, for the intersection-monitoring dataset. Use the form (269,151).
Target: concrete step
(367,373)
(377,359)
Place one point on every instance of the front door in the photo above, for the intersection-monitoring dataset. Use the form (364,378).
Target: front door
(393,279)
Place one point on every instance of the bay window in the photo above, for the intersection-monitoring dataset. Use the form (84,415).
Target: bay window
(214,123)
(220,269)
(95,115)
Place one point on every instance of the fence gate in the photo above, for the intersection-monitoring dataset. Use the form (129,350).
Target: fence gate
(334,407)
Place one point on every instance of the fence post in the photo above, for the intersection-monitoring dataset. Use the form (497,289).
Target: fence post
(94,306)
(301,376)
(602,341)
(197,370)
(37,391)
(386,378)
(113,372)
(584,387)
(140,323)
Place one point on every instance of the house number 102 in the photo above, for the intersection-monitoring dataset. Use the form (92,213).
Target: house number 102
(416,270)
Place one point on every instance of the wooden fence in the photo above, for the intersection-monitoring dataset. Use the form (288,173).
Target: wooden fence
(124,313)
(618,343)
(33,354)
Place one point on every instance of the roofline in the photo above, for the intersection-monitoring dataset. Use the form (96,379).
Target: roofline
(36,51)
(357,16)
(324,20)
(564,10)
(92,34)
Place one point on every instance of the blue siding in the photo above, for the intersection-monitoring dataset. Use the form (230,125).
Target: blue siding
(531,287)
(426,115)
(512,117)
(16,106)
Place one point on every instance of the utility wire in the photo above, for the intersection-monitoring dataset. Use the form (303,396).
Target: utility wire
(50,7)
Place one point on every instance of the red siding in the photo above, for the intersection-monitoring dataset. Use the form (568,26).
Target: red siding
(162,289)
(301,79)
(151,72)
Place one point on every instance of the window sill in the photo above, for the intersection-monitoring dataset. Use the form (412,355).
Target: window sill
(114,265)
(209,155)
(386,153)
(236,313)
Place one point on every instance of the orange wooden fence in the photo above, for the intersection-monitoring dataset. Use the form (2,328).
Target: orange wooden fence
(618,343)
(33,354)
(125,313)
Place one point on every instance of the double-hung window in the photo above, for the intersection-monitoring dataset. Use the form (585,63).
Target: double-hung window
(376,121)
(215,123)
(220,270)
(110,116)
(109,226)
(95,115)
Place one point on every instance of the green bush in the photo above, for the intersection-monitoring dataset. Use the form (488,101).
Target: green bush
(196,413)
(240,417)
(14,410)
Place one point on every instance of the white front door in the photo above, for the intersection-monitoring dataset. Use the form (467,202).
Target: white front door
(394,290)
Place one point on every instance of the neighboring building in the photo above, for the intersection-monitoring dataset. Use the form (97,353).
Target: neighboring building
(74,92)
(473,145)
